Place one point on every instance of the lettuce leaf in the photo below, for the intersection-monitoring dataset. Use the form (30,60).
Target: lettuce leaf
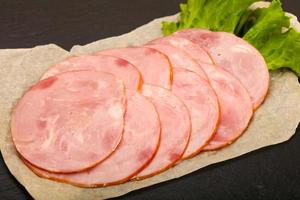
(216,15)
(271,34)
(282,51)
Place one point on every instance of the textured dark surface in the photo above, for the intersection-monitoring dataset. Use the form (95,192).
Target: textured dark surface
(270,173)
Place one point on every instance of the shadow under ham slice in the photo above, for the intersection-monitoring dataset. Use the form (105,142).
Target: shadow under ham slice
(139,144)
(153,65)
(119,67)
(70,122)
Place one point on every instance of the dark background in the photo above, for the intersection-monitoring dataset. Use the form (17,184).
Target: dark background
(270,173)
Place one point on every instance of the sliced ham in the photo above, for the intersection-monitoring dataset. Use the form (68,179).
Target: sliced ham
(175,129)
(237,57)
(70,122)
(201,100)
(233,120)
(194,50)
(235,105)
(140,142)
(116,66)
(153,65)
(178,58)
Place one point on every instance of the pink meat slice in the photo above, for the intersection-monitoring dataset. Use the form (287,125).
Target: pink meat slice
(235,105)
(201,101)
(237,57)
(227,131)
(140,142)
(175,130)
(119,67)
(179,59)
(153,65)
(70,122)
(194,50)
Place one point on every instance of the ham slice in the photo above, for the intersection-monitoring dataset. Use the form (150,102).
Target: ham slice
(201,100)
(175,130)
(120,68)
(70,122)
(237,57)
(140,142)
(233,119)
(153,65)
(235,105)
(194,50)
(178,58)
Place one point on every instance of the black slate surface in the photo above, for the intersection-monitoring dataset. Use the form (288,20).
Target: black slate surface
(270,173)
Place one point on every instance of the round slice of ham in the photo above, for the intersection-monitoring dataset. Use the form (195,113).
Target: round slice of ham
(137,148)
(235,106)
(201,101)
(153,65)
(70,122)
(237,57)
(178,58)
(175,130)
(119,67)
(194,50)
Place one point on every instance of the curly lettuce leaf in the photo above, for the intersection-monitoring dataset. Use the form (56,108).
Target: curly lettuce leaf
(188,13)
(271,34)
(169,27)
(216,15)
(282,51)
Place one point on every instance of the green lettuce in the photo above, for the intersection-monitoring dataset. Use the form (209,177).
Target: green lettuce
(268,29)
(216,15)
(271,34)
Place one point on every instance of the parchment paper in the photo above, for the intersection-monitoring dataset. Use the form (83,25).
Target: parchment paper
(274,122)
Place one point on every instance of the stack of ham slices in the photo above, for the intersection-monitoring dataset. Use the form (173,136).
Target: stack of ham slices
(130,113)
